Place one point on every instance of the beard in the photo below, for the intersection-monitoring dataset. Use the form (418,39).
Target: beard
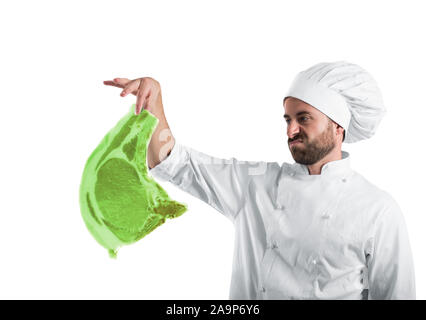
(310,152)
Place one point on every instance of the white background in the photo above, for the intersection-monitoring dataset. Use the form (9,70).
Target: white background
(224,67)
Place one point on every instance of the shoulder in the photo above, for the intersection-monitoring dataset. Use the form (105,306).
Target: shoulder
(370,194)
(263,170)
(264,174)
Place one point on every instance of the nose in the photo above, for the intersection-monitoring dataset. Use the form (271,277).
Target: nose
(292,129)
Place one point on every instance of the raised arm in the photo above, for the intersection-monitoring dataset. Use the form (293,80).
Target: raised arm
(222,183)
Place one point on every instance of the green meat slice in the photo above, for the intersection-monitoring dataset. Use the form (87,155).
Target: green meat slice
(119,202)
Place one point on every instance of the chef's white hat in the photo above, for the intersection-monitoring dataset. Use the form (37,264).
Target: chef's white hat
(344,92)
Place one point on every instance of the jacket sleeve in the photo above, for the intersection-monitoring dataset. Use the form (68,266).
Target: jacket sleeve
(391,268)
(221,183)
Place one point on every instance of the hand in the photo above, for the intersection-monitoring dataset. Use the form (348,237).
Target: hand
(147,91)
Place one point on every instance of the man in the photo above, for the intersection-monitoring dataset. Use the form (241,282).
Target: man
(315,229)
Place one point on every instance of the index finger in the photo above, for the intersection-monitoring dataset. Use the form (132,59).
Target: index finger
(117,82)
(112,83)
(122,81)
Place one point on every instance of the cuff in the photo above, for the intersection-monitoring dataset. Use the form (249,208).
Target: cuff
(167,168)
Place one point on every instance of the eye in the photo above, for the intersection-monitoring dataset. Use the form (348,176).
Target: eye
(302,119)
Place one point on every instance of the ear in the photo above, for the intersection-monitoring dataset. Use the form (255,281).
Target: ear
(340,131)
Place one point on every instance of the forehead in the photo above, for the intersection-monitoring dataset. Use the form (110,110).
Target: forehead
(292,106)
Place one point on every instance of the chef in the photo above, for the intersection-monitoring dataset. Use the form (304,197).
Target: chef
(313,229)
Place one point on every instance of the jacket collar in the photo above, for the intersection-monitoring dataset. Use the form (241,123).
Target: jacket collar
(332,167)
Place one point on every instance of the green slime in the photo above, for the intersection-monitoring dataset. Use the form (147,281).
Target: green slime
(119,202)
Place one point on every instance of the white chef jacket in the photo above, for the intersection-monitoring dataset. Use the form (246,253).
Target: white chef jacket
(300,236)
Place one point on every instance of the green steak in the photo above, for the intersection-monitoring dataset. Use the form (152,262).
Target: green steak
(120,203)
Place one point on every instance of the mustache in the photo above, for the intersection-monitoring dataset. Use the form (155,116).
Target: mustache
(298,137)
